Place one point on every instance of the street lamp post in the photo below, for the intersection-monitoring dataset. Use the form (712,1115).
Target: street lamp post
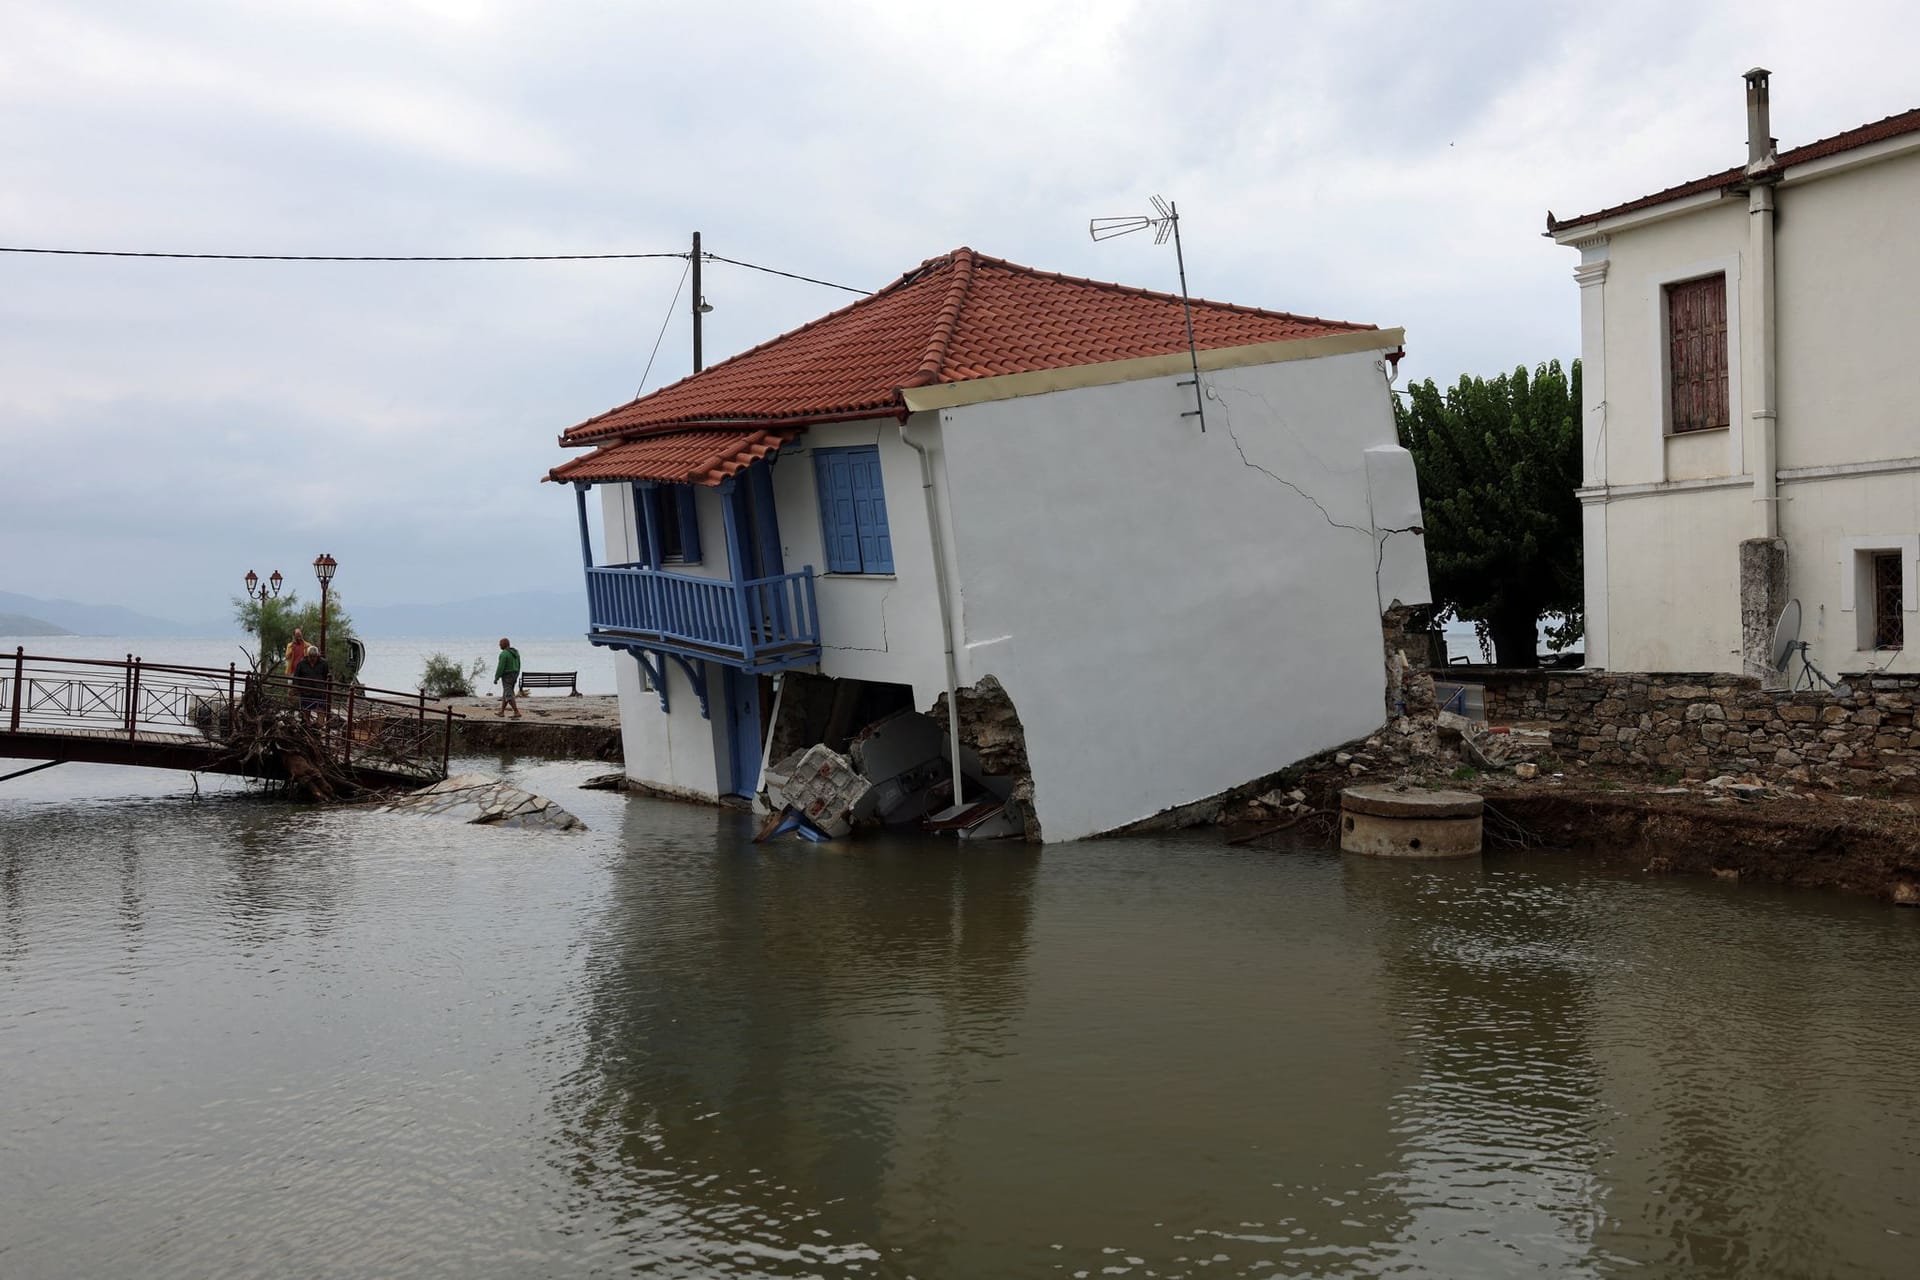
(323,567)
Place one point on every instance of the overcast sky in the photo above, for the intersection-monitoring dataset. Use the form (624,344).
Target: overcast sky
(169,425)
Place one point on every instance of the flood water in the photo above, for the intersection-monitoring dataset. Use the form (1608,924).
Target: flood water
(242,1040)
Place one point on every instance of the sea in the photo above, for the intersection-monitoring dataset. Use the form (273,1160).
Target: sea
(395,663)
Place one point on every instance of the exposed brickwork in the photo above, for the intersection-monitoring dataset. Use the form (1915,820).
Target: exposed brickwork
(1707,724)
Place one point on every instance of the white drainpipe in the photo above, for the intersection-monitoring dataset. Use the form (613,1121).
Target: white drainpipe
(1760,160)
(941,589)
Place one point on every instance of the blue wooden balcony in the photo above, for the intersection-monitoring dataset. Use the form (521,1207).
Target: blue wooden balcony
(757,624)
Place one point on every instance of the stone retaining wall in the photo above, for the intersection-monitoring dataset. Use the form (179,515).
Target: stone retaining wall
(1703,724)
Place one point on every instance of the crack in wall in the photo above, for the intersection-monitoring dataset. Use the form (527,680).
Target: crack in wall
(1378,535)
(1220,395)
(886,643)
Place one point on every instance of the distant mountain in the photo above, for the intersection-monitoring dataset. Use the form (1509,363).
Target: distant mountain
(516,613)
(19,624)
(91,619)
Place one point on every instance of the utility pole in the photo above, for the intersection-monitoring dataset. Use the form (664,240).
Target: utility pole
(698,302)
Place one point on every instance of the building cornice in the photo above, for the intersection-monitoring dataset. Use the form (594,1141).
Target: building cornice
(1786,475)
(1841,470)
(1009,386)
(1610,493)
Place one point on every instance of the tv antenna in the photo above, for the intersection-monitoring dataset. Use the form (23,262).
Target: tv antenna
(1787,642)
(1165,222)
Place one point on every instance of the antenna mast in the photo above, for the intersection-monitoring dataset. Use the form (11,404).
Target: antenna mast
(1165,222)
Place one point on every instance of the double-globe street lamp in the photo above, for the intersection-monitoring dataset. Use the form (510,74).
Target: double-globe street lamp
(258,590)
(323,569)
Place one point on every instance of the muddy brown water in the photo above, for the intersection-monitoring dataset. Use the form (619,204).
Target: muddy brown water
(237,1040)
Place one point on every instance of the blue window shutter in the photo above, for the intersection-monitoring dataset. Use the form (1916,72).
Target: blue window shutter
(689,525)
(838,525)
(641,554)
(870,511)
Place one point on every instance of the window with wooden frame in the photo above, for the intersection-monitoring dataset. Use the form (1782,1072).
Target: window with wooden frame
(853,510)
(1697,354)
(674,518)
(1889,595)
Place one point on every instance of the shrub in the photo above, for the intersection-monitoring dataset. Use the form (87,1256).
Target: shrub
(444,677)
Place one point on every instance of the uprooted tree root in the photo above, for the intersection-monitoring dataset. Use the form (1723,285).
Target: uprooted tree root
(268,739)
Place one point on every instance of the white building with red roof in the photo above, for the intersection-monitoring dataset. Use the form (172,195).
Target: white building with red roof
(994,479)
(1750,437)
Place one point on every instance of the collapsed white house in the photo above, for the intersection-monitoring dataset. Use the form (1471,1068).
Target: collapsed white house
(997,480)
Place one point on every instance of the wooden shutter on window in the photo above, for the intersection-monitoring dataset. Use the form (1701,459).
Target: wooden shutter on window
(1697,353)
(642,545)
(833,472)
(870,512)
(689,524)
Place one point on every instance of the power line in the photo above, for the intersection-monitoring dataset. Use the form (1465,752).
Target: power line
(421,257)
(358,257)
(663,329)
(754,266)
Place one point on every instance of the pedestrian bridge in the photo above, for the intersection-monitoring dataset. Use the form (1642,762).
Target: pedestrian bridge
(213,720)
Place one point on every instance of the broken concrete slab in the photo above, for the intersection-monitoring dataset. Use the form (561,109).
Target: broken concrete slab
(479,800)
(825,787)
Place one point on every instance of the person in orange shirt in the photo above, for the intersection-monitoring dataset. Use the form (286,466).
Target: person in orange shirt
(296,650)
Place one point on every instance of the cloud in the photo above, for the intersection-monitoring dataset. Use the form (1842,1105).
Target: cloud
(169,424)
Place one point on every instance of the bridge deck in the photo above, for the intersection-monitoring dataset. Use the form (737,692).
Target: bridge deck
(175,751)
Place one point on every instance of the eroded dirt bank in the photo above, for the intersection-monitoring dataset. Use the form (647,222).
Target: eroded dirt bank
(1853,844)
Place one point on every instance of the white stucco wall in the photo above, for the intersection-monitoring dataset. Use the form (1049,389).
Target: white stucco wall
(1640,266)
(672,749)
(1827,523)
(1849,266)
(883,627)
(1170,617)
(1680,611)
(1662,552)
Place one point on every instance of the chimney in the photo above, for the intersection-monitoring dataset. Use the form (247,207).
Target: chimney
(1760,152)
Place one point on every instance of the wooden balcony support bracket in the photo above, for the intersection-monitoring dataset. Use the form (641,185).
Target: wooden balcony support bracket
(697,677)
(656,672)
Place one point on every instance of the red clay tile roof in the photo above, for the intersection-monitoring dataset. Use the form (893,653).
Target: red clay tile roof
(954,318)
(676,457)
(1879,131)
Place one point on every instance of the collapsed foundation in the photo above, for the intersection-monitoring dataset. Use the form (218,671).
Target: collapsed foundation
(903,756)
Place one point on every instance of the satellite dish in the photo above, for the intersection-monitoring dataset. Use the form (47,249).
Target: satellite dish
(1786,635)
(1787,642)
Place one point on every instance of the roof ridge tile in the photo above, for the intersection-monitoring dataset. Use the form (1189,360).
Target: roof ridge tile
(933,364)
(1896,125)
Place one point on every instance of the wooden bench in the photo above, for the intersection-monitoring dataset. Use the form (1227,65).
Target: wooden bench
(568,680)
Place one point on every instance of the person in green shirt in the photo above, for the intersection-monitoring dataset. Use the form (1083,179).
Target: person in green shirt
(507,672)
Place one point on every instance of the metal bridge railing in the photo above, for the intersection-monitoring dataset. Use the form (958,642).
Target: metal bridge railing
(374,728)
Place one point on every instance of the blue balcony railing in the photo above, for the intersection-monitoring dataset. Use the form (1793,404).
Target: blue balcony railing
(761,624)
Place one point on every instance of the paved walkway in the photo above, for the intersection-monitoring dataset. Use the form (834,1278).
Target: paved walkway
(599,711)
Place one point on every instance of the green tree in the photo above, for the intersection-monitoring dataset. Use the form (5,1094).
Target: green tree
(1499,461)
(444,678)
(271,622)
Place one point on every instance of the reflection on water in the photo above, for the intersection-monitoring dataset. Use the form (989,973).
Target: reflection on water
(242,1040)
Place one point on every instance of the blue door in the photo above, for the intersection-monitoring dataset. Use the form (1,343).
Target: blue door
(743,730)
